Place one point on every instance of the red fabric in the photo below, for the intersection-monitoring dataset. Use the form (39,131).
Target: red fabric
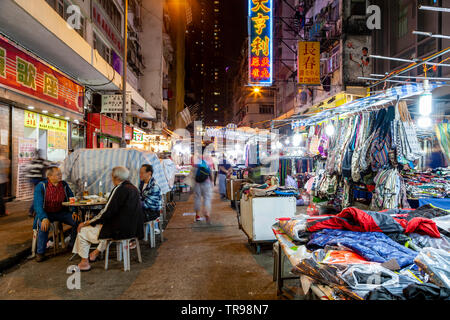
(54,197)
(365,222)
(423,226)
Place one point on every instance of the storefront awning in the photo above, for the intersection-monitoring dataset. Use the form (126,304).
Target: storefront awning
(378,99)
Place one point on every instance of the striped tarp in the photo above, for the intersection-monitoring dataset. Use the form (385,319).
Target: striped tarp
(95,165)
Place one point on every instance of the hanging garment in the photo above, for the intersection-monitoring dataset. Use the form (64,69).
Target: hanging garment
(443,136)
(347,161)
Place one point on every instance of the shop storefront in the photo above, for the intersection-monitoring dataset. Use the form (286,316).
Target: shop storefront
(38,107)
(104,132)
(156,143)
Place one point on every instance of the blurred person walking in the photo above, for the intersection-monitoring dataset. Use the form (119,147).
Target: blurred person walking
(36,172)
(202,189)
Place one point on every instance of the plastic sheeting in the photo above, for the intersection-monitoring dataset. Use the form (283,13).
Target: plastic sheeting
(435,263)
(95,165)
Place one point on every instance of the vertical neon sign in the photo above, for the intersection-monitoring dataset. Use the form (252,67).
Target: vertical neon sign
(260,42)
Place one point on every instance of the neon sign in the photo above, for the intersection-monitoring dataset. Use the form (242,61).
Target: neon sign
(260,42)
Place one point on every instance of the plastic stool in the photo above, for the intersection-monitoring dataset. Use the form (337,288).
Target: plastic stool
(149,228)
(123,249)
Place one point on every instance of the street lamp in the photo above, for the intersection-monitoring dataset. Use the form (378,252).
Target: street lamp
(124,76)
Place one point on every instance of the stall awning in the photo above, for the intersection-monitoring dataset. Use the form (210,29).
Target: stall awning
(378,99)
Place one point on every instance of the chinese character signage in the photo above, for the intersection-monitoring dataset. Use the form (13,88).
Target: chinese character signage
(27,75)
(30,119)
(308,68)
(108,30)
(260,42)
(112,103)
(45,123)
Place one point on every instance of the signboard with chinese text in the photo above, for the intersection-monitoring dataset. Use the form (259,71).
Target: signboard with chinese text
(21,72)
(107,28)
(30,119)
(112,103)
(260,42)
(45,122)
(308,68)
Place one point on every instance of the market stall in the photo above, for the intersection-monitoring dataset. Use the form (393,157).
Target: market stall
(369,255)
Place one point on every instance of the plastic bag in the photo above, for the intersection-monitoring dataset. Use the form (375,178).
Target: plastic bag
(368,277)
(436,263)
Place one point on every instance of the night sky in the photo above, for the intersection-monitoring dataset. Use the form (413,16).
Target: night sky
(235,30)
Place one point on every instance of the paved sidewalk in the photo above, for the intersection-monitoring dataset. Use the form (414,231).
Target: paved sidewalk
(15,234)
(196,261)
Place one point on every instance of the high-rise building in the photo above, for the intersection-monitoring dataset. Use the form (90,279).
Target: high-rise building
(205,67)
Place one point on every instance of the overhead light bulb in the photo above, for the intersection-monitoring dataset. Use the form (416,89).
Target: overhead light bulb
(329,129)
(256,90)
(44,111)
(424,122)
(425,103)
(297,139)
(30,107)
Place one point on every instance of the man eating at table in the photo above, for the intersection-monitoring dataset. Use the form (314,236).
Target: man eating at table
(122,218)
(48,198)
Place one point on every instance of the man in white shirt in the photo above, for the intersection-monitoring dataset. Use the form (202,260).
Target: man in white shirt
(215,162)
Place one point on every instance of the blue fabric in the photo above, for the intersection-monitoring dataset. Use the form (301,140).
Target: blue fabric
(373,246)
(437,202)
(39,197)
(151,196)
(223,184)
(64,217)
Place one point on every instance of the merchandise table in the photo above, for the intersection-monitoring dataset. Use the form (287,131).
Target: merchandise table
(284,247)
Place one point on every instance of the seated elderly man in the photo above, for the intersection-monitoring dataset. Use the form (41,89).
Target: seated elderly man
(150,193)
(48,198)
(122,218)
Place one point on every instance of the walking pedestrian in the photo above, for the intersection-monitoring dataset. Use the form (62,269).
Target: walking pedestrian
(4,166)
(215,163)
(36,172)
(225,171)
(202,189)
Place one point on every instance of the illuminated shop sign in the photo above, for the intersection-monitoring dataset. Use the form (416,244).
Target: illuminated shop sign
(260,42)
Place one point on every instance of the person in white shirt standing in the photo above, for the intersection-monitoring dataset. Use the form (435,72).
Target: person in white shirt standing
(215,163)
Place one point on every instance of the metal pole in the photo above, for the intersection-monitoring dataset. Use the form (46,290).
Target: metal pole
(124,76)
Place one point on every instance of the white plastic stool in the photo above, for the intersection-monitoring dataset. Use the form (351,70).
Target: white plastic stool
(123,249)
(149,228)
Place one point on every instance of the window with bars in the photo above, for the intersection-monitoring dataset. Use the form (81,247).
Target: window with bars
(113,13)
(102,48)
(266,109)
